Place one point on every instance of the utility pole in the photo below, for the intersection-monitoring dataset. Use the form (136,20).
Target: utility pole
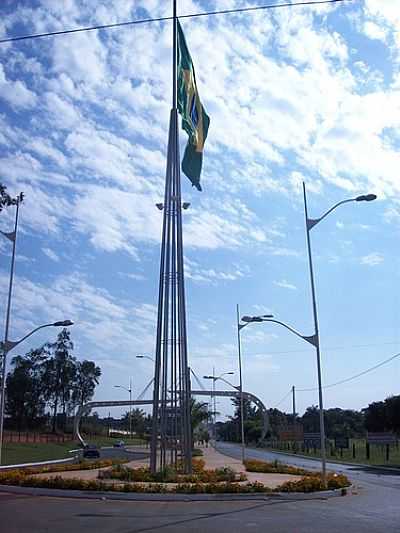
(294,405)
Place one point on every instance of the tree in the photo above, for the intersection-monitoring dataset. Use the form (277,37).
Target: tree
(6,200)
(59,375)
(198,414)
(141,422)
(87,376)
(25,402)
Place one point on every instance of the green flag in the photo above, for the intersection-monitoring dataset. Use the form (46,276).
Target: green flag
(195,120)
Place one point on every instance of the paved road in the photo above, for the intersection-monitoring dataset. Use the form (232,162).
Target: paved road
(373,508)
(360,475)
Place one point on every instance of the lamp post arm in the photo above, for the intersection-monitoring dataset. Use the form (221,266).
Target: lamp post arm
(311,339)
(229,383)
(9,345)
(122,387)
(311,222)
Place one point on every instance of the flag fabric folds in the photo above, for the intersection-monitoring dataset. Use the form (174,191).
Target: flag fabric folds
(195,120)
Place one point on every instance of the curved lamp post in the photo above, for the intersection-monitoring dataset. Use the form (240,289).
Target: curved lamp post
(239,328)
(214,379)
(313,339)
(5,348)
(130,405)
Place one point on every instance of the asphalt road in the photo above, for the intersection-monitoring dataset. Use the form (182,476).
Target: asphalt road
(372,507)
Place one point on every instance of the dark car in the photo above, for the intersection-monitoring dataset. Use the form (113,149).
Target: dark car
(91,452)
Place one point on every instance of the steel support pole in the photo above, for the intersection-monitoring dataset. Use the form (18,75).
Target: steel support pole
(130,408)
(7,327)
(294,404)
(317,345)
(240,385)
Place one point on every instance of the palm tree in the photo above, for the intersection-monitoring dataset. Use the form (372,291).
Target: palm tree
(198,414)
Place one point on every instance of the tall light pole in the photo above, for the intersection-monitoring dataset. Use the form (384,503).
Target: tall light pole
(5,347)
(130,400)
(314,339)
(214,379)
(239,328)
(12,237)
(310,223)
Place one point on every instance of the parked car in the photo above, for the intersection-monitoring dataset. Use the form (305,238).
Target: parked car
(119,444)
(90,451)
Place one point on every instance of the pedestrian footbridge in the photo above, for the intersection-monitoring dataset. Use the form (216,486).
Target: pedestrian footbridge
(86,408)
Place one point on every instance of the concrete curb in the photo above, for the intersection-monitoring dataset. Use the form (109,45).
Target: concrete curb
(42,463)
(108,495)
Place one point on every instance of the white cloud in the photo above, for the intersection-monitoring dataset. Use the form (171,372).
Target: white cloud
(51,254)
(373,259)
(285,285)
(16,93)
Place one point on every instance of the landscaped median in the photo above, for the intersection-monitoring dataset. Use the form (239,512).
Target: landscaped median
(121,478)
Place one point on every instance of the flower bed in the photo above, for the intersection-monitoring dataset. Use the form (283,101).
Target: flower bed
(253,465)
(172,475)
(140,480)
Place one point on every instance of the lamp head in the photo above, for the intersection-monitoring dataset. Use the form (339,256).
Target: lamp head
(160,206)
(186,205)
(208,377)
(366,198)
(63,323)
(251,318)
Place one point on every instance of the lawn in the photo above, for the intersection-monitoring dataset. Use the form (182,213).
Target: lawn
(22,452)
(377,453)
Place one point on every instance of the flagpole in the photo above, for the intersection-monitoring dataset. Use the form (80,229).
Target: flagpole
(174,59)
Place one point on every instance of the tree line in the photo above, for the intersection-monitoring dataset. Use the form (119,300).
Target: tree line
(48,383)
(381,416)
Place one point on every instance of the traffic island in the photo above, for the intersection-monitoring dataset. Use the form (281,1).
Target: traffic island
(227,477)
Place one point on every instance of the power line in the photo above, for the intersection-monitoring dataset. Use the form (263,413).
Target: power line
(282,400)
(162,19)
(327,349)
(353,377)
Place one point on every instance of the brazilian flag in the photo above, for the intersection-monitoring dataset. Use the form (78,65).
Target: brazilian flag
(195,120)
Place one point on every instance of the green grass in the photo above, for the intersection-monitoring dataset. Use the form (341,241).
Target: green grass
(22,452)
(377,454)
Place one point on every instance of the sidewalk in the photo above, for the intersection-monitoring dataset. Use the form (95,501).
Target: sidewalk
(212,458)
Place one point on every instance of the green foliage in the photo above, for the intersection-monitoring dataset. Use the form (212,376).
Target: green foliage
(383,416)
(48,377)
(314,483)
(6,200)
(253,465)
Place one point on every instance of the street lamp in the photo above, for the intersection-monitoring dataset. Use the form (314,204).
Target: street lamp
(130,404)
(145,357)
(239,328)
(310,223)
(5,347)
(215,378)
(313,339)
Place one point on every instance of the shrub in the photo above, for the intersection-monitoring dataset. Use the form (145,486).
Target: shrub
(253,465)
(314,483)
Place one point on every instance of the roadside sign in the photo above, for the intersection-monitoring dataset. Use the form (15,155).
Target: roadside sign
(342,442)
(381,438)
(312,440)
(293,433)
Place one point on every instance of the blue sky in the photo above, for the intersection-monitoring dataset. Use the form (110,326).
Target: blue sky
(294,94)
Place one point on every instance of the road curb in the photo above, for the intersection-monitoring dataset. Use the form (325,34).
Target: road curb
(41,463)
(106,495)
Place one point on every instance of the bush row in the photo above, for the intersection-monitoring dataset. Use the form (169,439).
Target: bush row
(306,484)
(171,475)
(253,465)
